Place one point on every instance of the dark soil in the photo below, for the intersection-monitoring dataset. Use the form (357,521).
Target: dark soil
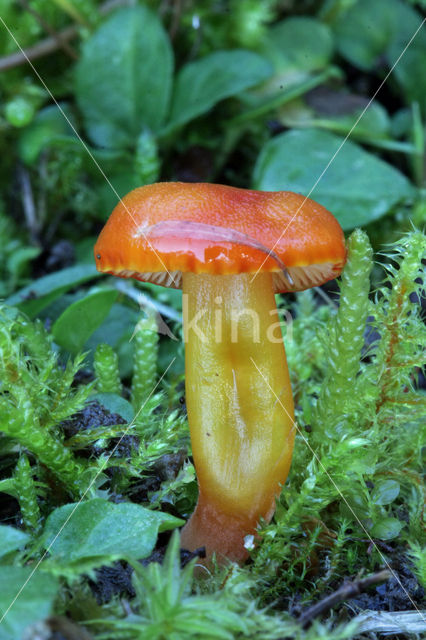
(96,415)
(116,579)
(400,593)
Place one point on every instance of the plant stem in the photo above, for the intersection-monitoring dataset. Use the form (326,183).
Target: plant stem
(242,439)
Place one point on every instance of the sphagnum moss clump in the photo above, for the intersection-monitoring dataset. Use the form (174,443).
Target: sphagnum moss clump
(26,494)
(345,334)
(106,369)
(36,394)
(357,464)
(145,345)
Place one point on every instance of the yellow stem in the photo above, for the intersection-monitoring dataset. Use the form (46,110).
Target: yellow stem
(242,439)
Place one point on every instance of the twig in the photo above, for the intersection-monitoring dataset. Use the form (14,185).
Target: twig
(346,591)
(48,45)
(62,44)
(39,50)
(28,205)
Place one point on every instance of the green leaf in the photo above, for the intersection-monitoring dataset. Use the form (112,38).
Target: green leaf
(8,485)
(337,111)
(357,187)
(11,539)
(48,124)
(385,492)
(19,260)
(410,70)
(120,181)
(202,84)
(97,531)
(77,323)
(92,158)
(355,505)
(123,78)
(298,43)
(35,601)
(40,293)
(116,330)
(364,32)
(115,404)
(369,34)
(386,529)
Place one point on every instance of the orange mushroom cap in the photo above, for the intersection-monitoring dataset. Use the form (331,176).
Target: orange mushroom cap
(159,231)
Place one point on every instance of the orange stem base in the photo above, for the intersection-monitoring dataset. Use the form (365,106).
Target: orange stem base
(220,533)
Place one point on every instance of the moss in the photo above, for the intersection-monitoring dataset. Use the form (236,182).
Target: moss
(36,394)
(357,463)
(106,369)
(145,341)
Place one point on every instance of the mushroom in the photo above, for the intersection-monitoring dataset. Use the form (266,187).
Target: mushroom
(230,250)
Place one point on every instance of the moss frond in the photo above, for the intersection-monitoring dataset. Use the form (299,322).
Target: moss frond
(356,471)
(26,494)
(345,338)
(145,345)
(106,369)
(36,393)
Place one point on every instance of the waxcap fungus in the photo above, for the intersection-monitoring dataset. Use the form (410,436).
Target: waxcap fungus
(161,230)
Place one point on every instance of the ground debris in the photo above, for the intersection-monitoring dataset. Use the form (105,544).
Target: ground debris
(95,415)
(392,622)
(401,592)
(346,591)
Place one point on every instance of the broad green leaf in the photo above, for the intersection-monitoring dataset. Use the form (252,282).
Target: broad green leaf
(373,124)
(337,111)
(19,260)
(385,492)
(8,485)
(77,323)
(11,539)
(374,34)
(201,84)
(410,70)
(35,601)
(95,161)
(357,187)
(355,505)
(298,43)
(300,50)
(97,531)
(58,306)
(40,293)
(386,528)
(117,330)
(124,76)
(120,181)
(364,32)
